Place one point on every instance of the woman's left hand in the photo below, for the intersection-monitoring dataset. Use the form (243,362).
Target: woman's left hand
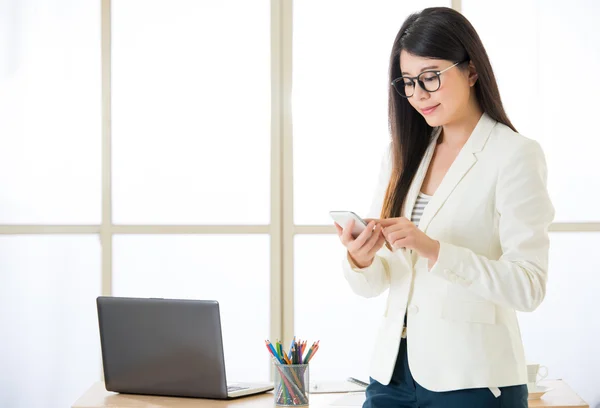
(402,233)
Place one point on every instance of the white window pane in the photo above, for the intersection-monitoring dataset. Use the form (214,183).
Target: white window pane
(50,112)
(541,95)
(563,332)
(326,309)
(232,269)
(50,350)
(340,85)
(513,55)
(191,111)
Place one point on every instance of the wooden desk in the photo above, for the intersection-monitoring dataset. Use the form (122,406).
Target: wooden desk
(561,396)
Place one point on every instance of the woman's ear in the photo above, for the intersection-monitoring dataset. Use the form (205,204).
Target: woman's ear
(472,74)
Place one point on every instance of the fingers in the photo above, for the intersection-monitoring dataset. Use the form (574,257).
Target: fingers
(399,232)
(367,243)
(362,237)
(386,222)
(406,237)
(401,228)
(395,232)
(339,229)
(346,236)
(403,243)
(377,245)
(373,238)
(397,235)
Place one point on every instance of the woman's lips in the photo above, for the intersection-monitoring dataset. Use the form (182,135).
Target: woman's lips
(429,110)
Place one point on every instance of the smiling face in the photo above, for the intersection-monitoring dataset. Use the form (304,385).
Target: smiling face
(451,101)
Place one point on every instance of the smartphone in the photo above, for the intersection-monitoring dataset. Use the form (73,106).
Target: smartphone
(342,218)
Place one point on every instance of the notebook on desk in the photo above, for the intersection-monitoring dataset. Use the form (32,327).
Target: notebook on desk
(166,347)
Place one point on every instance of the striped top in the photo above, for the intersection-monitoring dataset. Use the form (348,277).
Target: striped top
(417,211)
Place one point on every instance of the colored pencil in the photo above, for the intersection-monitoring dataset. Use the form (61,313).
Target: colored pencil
(313,354)
(298,353)
(291,345)
(273,351)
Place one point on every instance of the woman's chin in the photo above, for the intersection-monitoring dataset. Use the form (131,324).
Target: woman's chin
(433,121)
(435,118)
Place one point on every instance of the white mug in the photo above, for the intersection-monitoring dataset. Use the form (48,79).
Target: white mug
(536,373)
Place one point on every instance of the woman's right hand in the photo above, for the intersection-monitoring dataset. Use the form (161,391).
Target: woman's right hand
(362,249)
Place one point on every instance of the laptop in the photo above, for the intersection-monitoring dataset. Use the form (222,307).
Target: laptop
(166,347)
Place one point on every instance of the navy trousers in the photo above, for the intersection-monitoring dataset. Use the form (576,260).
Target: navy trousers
(404,392)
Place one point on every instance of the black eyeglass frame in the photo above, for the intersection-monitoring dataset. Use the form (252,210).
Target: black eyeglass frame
(421,84)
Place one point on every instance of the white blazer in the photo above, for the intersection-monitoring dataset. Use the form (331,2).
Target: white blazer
(491,215)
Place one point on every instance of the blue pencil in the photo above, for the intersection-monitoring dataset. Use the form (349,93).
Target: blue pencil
(291,345)
(275,354)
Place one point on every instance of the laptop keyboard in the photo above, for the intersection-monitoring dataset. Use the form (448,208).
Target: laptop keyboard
(231,388)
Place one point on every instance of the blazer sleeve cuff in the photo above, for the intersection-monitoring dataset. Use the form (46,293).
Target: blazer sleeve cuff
(449,265)
(356,268)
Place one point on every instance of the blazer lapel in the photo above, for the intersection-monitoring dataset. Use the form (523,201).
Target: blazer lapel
(460,167)
(415,186)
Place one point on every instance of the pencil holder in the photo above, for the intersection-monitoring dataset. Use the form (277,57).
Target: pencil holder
(291,385)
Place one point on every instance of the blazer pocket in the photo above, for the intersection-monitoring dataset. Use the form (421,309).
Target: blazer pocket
(469,311)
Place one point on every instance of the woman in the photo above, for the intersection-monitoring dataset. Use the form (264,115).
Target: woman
(462,235)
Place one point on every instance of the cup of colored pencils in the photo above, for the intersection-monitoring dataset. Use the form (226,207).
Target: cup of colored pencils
(291,372)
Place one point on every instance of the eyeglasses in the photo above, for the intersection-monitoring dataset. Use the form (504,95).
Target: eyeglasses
(428,81)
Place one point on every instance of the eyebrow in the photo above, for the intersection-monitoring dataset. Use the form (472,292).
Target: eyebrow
(427,68)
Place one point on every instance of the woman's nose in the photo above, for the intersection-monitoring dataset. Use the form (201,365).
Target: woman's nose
(420,93)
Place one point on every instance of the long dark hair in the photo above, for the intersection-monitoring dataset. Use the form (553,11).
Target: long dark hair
(440,33)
